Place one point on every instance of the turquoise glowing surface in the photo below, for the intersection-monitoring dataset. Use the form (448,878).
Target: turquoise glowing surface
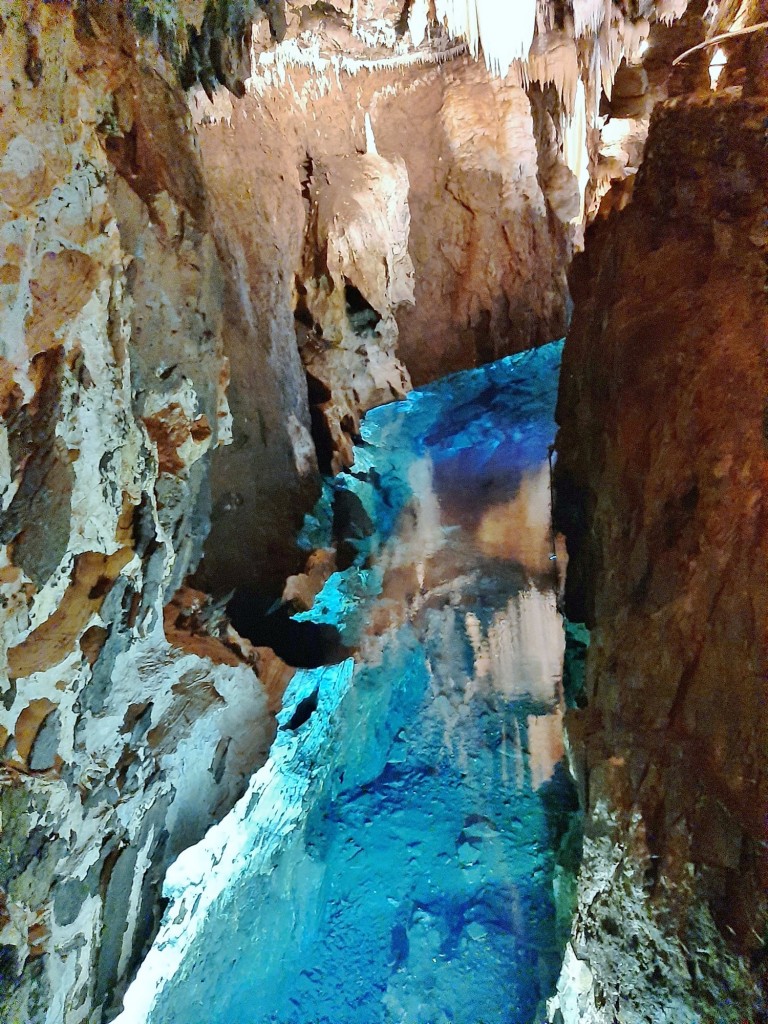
(396,864)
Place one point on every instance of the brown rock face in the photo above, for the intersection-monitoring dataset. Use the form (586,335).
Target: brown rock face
(112,395)
(267,478)
(661,482)
(488,250)
(433,242)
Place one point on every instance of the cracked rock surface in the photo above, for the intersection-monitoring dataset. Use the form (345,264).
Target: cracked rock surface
(118,747)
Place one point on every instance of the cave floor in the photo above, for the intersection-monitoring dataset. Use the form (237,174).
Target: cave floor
(417,884)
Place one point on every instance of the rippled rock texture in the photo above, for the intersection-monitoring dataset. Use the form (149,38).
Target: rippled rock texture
(661,480)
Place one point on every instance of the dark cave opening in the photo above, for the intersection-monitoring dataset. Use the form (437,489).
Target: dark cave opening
(318,394)
(299,644)
(362,316)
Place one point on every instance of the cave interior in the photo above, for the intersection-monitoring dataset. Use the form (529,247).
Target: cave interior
(383,458)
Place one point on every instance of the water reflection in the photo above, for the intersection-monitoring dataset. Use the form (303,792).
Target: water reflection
(394,862)
(436,898)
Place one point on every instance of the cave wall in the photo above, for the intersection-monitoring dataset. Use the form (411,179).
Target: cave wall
(119,748)
(267,478)
(167,278)
(491,202)
(150,272)
(660,483)
(435,193)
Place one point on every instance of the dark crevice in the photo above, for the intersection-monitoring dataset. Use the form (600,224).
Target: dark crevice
(302,313)
(299,644)
(361,314)
(303,712)
(319,394)
(307,173)
(352,526)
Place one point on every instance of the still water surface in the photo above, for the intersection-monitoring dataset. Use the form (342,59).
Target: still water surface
(415,880)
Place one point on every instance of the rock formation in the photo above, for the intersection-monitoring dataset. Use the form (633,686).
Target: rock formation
(119,747)
(227,229)
(378,250)
(660,480)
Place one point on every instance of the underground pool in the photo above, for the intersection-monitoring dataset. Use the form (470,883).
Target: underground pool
(407,854)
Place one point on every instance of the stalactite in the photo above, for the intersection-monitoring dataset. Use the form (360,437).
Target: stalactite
(589,15)
(553,59)
(611,52)
(546,17)
(505,32)
(460,18)
(670,10)
(575,144)
(418,19)
(517,44)
(635,34)
(271,65)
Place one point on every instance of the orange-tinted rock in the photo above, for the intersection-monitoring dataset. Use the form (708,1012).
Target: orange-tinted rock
(92,641)
(169,429)
(52,641)
(661,482)
(274,674)
(185,627)
(64,283)
(24,177)
(28,725)
(301,590)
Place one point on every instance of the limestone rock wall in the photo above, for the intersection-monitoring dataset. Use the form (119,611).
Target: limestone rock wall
(267,478)
(118,748)
(158,283)
(660,480)
(392,223)
(488,246)
(182,298)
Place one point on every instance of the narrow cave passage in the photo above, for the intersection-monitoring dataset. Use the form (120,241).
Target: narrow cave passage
(407,852)
(228,231)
